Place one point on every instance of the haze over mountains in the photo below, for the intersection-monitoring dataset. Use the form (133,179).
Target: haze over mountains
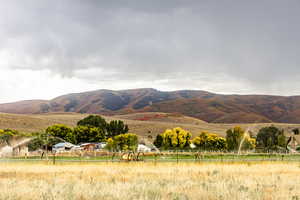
(210,107)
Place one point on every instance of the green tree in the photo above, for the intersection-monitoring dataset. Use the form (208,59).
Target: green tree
(125,142)
(42,141)
(210,141)
(158,142)
(270,138)
(111,129)
(116,127)
(89,134)
(63,132)
(7,134)
(237,139)
(296,131)
(110,144)
(94,121)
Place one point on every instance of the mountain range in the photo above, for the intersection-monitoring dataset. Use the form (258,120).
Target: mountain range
(207,106)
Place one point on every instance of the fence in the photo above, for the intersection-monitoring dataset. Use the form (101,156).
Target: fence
(165,156)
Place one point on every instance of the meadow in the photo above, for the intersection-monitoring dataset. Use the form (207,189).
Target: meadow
(140,180)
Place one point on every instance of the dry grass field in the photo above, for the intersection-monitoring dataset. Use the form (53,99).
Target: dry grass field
(127,181)
(143,124)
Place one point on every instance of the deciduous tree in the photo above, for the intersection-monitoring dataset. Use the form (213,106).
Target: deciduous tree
(238,139)
(116,127)
(270,138)
(125,142)
(61,131)
(89,134)
(176,138)
(210,141)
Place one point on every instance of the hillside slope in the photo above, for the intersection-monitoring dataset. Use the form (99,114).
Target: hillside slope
(148,126)
(203,105)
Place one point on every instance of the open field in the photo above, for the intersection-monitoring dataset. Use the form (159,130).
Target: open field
(140,123)
(264,180)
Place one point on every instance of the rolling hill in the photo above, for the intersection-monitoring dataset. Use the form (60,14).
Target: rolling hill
(210,107)
(143,124)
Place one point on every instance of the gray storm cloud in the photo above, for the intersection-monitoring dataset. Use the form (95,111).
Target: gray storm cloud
(255,41)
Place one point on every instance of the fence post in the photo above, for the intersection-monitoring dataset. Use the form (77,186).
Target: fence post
(54,158)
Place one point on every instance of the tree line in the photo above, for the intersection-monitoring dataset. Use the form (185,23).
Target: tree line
(268,139)
(92,129)
(95,129)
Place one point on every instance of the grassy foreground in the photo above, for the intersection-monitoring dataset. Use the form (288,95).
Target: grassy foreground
(264,180)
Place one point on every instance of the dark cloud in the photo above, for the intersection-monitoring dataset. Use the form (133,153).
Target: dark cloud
(255,42)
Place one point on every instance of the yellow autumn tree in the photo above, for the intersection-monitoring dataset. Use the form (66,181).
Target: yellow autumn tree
(210,141)
(175,138)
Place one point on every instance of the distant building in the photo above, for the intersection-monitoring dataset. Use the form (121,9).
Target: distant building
(143,148)
(89,146)
(63,146)
(15,147)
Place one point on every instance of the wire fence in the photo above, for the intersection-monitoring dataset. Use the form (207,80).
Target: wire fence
(155,157)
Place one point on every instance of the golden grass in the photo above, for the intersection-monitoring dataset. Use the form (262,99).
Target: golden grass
(149,181)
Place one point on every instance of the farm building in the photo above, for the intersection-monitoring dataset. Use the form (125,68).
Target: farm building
(89,146)
(92,146)
(63,146)
(143,148)
(15,147)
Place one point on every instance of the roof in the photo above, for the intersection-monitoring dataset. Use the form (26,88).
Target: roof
(63,144)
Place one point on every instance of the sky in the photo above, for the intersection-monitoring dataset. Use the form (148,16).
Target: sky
(50,48)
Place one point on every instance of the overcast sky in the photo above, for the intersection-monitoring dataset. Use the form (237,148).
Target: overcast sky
(49,48)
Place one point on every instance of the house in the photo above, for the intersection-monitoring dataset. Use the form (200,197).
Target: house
(15,147)
(102,145)
(143,148)
(89,146)
(63,146)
